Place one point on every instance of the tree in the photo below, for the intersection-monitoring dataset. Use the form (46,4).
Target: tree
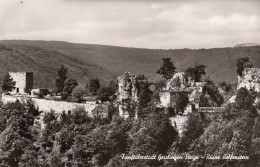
(199,71)
(62,76)
(145,97)
(16,136)
(104,93)
(182,100)
(99,112)
(160,85)
(245,100)
(69,85)
(79,92)
(154,135)
(8,84)
(142,83)
(243,63)
(193,130)
(225,86)
(203,101)
(167,69)
(113,86)
(212,90)
(94,85)
(196,72)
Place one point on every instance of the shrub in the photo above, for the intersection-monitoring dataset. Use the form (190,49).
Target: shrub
(64,95)
(225,86)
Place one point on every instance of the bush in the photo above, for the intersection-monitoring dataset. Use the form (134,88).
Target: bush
(105,94)
(8,84)
(194,128)
(78,93)
(225,86)
(64,95)
(69,85)
(94,85)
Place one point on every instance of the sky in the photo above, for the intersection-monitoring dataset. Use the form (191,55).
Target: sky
(158,24)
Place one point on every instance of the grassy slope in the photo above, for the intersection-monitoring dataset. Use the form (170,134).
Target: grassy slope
(116,60)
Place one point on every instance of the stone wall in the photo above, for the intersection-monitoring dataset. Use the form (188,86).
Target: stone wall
(210,109)
(48,105)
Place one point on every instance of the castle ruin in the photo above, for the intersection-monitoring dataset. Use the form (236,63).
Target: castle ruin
(23,82)
(250,79)
(23,92)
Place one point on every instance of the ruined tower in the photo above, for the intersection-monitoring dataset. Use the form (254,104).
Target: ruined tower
(23,82)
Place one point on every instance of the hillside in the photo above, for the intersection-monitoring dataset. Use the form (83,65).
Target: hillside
(107,62)
(45,63)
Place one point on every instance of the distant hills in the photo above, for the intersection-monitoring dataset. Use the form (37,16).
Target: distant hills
(246,45)
(86,61)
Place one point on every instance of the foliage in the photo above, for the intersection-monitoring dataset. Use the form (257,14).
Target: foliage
(62,76)
(131,107)
(79,92)
(194,128)
(141,60)
(216,99)
(100,112)
(203,101)
(245,101)
(160,84)
(113,85)
(167,68)
(154,135)
(112,111)
(49,117)
(196,72)
(16,136)
(105,93)
(76,139)
(142,83)
(94,85)
(225,86)
(181,101)
(8,84)
(177,81)
(69,85)
(243,63)
(64,95)
(144,98)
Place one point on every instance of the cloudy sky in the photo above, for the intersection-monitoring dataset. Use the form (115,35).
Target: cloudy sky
(165,24)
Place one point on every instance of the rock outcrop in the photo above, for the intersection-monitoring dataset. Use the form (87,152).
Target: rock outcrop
(127,92)
(250,79)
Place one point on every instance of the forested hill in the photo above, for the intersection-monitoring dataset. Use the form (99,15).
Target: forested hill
(45,63)
(107,62)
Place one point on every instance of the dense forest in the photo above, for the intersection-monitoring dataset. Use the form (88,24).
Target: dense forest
(75,139)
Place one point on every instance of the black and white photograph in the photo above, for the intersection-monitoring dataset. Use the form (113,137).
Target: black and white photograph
(129,83)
